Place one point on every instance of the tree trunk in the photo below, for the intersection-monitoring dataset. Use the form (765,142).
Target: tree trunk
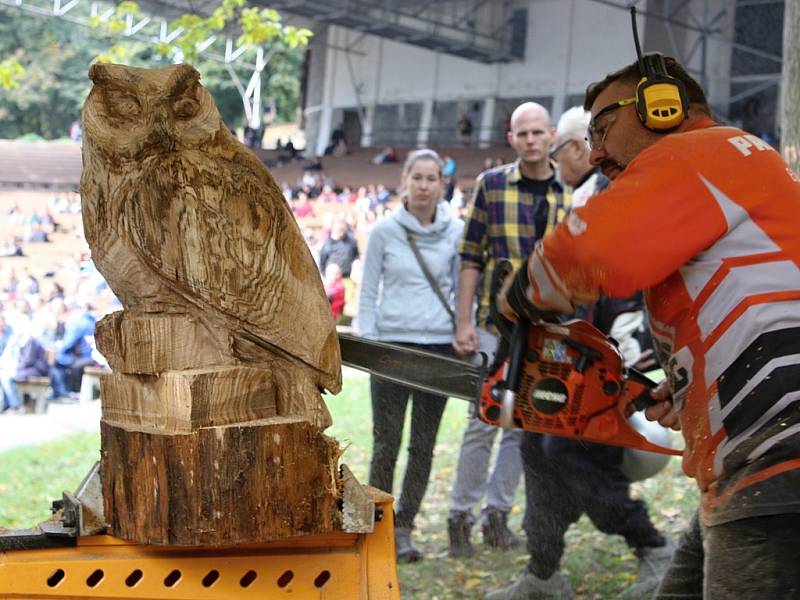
(790,129)
(220,486)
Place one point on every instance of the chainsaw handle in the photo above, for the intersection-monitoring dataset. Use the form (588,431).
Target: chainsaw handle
(643,399)
(502,270)
(519,345)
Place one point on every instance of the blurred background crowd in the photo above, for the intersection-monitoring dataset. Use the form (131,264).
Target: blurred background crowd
(51,295)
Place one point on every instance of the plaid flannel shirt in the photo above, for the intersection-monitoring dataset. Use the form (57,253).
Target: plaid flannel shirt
(502,224)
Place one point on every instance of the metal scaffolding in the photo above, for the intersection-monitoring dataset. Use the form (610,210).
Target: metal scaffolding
(479,30)
(704,18)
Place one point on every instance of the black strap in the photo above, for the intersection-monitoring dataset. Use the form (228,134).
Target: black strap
(428,275)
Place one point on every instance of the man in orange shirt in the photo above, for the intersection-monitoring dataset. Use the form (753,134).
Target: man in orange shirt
(703,218)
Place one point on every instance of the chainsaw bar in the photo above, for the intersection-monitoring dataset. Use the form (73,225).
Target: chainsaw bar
(418,369)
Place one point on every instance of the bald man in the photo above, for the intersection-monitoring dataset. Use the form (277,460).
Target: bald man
(513,206)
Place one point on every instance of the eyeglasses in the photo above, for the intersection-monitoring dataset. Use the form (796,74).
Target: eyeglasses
(559,148)
(595,137)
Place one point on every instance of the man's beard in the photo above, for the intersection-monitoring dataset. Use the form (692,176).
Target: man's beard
(610,167)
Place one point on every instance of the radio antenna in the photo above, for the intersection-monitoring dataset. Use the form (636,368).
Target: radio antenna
(636,40)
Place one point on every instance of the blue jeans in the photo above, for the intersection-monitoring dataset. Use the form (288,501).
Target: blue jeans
(59,376)
(10,393)
(66,379)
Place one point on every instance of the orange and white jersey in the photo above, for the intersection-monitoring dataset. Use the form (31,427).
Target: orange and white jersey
(707,222)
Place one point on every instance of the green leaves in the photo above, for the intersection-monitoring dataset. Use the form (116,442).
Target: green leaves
(115,54)
(117,23)
(128,8)
(10,73)
(259,27)
(297,37)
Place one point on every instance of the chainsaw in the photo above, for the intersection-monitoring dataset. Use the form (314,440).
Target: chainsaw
(565,379)
(570,382)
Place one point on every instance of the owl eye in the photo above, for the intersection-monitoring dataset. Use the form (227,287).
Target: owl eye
(123,103)
(185,108)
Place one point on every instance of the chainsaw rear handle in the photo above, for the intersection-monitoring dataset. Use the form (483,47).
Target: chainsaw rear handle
(643,400)
(519,345)
(516,337)
(502,270)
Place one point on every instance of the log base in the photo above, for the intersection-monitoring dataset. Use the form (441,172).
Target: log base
(226,485)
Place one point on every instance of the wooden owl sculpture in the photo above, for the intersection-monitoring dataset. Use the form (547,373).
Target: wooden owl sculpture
(183,219)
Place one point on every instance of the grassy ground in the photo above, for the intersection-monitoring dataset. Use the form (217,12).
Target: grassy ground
(598,566)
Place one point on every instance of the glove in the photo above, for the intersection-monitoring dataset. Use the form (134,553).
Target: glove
(520,302)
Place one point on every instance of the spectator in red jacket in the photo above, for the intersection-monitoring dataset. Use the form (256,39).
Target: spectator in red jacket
(334,289)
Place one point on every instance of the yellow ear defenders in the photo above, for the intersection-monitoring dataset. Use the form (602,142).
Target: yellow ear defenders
(661,100)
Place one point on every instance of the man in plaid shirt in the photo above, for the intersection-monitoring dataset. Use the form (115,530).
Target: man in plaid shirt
(514,205)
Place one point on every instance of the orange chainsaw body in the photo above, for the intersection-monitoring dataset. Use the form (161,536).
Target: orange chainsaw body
(572,384)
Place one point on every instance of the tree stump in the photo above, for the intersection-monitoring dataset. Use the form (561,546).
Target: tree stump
(222,485)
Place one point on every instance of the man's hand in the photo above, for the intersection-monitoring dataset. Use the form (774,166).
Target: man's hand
(664,411)
(465,341)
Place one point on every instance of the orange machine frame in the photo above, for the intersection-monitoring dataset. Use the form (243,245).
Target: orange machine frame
(335,566)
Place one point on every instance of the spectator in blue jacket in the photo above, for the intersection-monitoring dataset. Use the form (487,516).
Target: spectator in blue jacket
(73,352)
(6,340)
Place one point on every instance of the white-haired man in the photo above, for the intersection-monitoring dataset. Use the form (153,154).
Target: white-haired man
(572,155)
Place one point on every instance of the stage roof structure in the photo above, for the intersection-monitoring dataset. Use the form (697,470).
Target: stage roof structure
(487,31)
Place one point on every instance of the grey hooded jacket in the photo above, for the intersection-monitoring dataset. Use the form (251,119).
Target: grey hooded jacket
(396,302)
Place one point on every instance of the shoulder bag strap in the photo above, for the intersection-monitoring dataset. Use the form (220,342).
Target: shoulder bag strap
(428,275)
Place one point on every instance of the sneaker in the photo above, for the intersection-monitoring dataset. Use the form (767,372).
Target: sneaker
(404,549)
(496,533)
(459,527)
(529,587)
(653,563)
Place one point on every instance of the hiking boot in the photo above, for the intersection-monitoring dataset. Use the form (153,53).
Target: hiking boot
(496,533)
(529,587)
(459,527)
(405,550)
(653,563)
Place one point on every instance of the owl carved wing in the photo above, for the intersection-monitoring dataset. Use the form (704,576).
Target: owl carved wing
(214,227)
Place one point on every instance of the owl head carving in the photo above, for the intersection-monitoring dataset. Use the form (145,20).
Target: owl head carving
(131,116)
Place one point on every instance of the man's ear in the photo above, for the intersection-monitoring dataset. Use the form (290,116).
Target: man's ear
(510,138)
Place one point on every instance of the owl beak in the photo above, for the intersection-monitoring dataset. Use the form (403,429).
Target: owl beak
(161,135)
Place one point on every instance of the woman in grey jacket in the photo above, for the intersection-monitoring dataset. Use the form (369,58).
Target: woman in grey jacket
(398,304)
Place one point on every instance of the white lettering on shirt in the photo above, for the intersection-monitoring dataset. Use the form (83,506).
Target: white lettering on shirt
(743,143)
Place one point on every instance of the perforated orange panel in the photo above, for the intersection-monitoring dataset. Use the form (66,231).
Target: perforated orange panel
(336,566)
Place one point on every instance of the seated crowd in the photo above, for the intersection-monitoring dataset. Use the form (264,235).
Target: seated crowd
(336,221)
(47,314)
